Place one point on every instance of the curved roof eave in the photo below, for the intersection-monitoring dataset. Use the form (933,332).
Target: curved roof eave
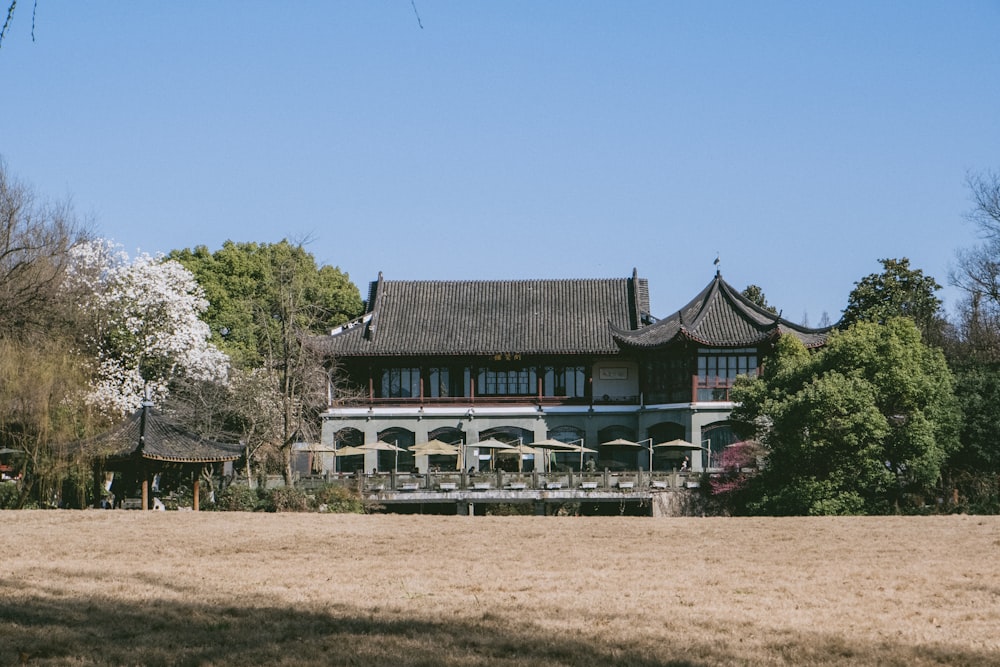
(695,320)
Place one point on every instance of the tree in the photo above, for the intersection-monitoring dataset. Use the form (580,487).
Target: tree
(247,286)
(35,238)
(755,294)
(270,302)
(977,273)
(898,291)
(144,328)
(860,426)
(975,352)
(42,373)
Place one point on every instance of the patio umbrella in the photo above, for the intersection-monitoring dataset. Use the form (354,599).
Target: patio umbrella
(676,444)
(490,443)
(380,446)
(434,447)
(582,450)
(520,449)
(348,451)
(620,442)
(549,443)
(564,447)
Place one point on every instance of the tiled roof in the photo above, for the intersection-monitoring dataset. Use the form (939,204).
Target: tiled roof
(720,317)
(415,318)
(161,440)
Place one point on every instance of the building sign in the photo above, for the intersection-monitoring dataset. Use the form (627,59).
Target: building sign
(614,373)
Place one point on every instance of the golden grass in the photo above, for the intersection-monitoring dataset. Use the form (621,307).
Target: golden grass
(124,588)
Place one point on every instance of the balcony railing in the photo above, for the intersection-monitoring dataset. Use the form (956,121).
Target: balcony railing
(701,390)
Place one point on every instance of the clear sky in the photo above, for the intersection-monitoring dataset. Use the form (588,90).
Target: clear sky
(801,141)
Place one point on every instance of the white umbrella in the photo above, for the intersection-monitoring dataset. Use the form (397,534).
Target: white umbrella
(379,446)
(620,442)
(432,447)
(490,443)
(521,450)
(549,443)
(564,447)
(676,444)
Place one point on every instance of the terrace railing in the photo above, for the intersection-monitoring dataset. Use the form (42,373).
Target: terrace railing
(499,480)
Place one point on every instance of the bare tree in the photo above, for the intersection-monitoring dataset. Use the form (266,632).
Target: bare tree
(978,268)
(35,240)
(10,19)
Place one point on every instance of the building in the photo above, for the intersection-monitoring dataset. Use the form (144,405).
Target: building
(577,361)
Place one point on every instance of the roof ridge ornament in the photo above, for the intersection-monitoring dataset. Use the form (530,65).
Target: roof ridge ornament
(717,263)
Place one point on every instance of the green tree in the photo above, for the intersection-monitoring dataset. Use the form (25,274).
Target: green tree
(898,291)
(860,426)
(249,287)
(755,294)
(268,303)
(974,469)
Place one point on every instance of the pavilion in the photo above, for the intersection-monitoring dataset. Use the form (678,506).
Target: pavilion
(148,443)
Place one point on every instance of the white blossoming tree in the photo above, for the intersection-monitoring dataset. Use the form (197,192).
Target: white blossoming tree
(145,330)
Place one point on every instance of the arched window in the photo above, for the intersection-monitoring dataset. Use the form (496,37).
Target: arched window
(349,437)
(403,460)
(667,458)
(618,457)
(568,460)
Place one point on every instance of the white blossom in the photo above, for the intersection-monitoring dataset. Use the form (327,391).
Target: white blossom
(146,326)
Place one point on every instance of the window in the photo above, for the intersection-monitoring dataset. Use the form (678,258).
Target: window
(446,381)
(506,382)
(568,381)
(400,383)
(716,364)
(718,368)
(438,385)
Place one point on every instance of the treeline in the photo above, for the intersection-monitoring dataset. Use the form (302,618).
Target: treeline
(223,341)
(897,413)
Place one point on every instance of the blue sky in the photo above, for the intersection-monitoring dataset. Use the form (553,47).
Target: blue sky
(800,141)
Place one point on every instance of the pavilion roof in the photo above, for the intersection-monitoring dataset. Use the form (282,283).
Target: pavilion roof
(719,316)
(482,317)
(149,435)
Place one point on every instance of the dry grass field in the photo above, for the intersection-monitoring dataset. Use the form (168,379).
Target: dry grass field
(135,588)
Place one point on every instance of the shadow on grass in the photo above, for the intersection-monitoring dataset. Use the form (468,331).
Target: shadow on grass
(68,631)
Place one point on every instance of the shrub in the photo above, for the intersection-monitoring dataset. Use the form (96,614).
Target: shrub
(510,509)
(237,498)
(8,496)
(340,499)
(287,499)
